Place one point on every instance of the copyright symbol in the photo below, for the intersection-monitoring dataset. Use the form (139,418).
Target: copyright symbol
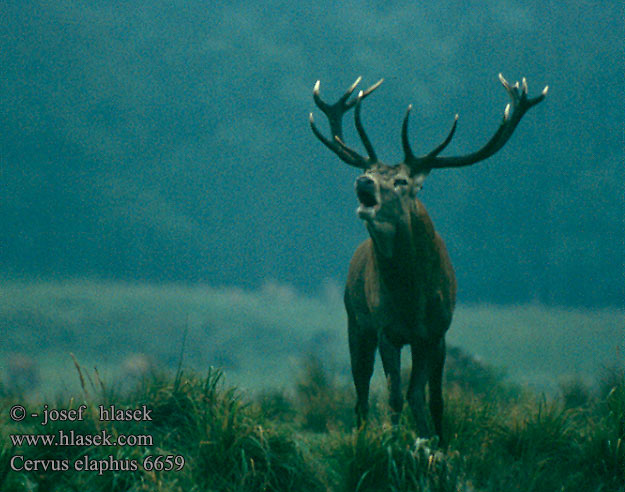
(17,413)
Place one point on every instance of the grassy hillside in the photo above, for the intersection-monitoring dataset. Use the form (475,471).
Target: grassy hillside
(259,336)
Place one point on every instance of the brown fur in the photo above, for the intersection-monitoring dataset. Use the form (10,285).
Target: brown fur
(407,299)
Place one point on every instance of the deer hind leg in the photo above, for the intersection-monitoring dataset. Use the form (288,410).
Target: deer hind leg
(436,363)
(391,360)
(438,321)
(416,389)
(362,347)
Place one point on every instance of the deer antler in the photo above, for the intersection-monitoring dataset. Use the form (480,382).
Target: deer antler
(334,113)
(520,105)
(409,156)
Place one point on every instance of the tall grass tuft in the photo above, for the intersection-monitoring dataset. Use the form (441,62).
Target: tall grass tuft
(239,449)
(391,460)
(605,448)
(535,445)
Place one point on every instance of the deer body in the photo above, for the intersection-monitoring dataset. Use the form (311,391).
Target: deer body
(401,288)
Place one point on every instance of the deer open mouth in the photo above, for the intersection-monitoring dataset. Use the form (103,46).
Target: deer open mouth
(367,198)
(369,204)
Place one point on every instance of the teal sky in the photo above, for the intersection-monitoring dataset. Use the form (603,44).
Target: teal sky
(169,141)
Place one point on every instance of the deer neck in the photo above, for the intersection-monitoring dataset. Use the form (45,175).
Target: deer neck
(404,255)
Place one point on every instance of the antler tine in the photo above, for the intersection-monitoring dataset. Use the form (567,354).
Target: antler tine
(349,91)
(371,89)
(445,142)
(334,113)
(318,101)
(361,131)
(338,150)
(325,107)
(351,153)
(519,103)
(409,156)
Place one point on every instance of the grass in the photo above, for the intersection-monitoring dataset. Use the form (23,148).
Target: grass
(231,442)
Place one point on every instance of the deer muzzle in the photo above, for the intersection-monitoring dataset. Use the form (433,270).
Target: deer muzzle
(368,195)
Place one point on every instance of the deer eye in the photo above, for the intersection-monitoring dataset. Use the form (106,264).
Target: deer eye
(400,182)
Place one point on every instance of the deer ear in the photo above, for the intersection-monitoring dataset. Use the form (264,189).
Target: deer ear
(419,177)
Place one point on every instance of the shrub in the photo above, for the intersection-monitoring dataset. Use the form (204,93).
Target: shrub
(322,403)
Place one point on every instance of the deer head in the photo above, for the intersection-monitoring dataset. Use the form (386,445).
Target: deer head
(387,192)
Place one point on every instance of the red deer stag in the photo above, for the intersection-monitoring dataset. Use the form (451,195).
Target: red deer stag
(401,287)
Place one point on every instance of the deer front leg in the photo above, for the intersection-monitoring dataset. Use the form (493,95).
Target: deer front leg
(391,361)
(362,347)
(416,388)
(436,364)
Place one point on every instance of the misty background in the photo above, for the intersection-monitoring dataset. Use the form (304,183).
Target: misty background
(169,141)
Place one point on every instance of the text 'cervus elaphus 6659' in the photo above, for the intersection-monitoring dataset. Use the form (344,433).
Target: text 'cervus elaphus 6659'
(401,288)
